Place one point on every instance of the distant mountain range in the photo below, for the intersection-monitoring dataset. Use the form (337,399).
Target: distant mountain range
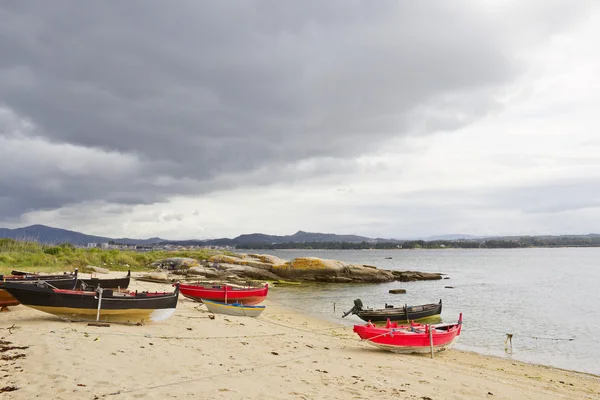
(50,235)
(298,237)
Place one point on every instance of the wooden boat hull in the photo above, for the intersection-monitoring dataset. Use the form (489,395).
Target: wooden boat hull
(7,300)
(66,281)
(58,281)
(414,349)
(410,339)
(131,315)
(406,313)
(113,283)
(77,305)
(225,294)
(233,309)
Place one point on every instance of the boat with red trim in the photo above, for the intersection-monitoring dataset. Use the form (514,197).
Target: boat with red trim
(105,304)
(225,294)
(413,338)
(64,281)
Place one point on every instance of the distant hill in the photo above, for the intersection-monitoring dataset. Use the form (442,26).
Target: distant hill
(455,237)
(50,235)
(299,236)
(263,239)
(302,239)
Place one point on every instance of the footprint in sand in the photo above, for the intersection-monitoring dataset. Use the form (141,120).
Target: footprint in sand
(57,376)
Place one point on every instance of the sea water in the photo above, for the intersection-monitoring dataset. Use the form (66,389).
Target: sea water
(548,299)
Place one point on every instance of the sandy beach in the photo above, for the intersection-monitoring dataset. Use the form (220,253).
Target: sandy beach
(280,355)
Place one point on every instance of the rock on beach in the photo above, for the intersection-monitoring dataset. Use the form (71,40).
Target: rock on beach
(301,269)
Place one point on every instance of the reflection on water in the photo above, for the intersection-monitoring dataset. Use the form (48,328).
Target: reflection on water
(428,320)
(546,298)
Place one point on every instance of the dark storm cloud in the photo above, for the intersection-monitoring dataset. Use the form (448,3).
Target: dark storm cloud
(199,93)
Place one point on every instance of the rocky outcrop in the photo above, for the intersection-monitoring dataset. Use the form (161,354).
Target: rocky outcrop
(254,260)
(301,269)
(322,270)
(176,263)
(249,272)
(409,276)
(268,259)
(98,270)
(159,277)
(203,271)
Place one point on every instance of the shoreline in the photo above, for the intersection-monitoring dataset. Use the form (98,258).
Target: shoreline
(284,353)
(479,351)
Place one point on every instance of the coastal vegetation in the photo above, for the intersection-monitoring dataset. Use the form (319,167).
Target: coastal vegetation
(36,257)
(28,255)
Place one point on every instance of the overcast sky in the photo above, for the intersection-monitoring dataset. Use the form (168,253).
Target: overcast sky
(197,119)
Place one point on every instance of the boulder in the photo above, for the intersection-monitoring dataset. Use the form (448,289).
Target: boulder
(176,263)
(368,273)
(98,270)
(268,259)
(323,270)
(249,272)
(155,277)
(239,260)
(397,291)
(309,268)
(222,258)
(409,276)
(206,271)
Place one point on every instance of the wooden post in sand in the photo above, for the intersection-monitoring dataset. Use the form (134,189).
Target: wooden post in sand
(431,341)
(99,304)
(98,323)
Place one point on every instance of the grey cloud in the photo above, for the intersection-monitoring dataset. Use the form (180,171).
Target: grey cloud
(209,95)
(556,197)
(172,217)
(541,198)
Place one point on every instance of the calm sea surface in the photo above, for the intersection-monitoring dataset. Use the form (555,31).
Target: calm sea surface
(544,297)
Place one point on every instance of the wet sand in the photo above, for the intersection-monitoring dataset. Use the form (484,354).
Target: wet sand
(280,355)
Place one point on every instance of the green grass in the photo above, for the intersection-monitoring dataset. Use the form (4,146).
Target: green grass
(33,256)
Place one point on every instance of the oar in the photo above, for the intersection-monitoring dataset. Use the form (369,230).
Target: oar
(431,340)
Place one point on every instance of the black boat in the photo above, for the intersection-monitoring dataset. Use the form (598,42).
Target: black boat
(405,313)
(65,281)
(109,283)
(104,304)
(60,281)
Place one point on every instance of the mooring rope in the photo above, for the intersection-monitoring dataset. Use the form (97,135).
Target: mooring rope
(315,331)
(149,336)
(549,338)
(240,370)
(529,336)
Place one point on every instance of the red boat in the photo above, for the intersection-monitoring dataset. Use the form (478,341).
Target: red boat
(415,338)
(225,294)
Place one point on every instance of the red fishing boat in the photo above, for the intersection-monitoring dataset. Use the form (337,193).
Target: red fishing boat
(416,338)
(225,294)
